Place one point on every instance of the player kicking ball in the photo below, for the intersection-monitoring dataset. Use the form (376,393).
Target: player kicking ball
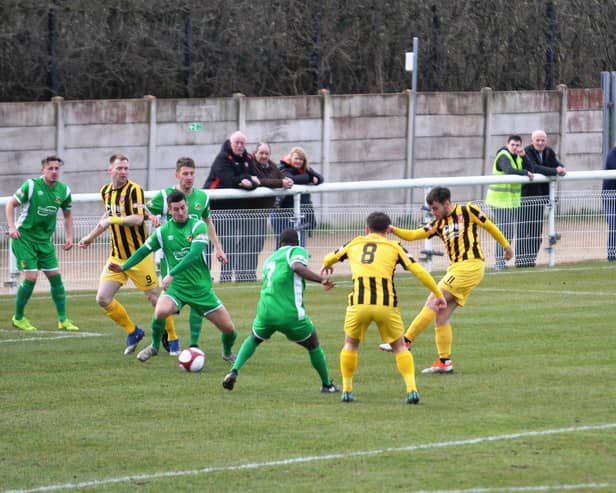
(183,240)
(281,309)
(458,227)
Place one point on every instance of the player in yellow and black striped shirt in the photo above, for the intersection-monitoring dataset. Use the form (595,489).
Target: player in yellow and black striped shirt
(124,216)
(458,227)
(373,260)
(125,201)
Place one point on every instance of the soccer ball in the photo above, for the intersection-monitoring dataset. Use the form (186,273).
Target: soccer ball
(191,359)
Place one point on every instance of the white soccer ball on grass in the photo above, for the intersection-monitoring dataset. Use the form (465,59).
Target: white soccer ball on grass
(191,359)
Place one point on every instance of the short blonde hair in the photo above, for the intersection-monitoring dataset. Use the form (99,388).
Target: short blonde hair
(301,153)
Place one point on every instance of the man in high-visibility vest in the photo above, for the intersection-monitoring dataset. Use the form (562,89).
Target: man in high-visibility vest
(504,198)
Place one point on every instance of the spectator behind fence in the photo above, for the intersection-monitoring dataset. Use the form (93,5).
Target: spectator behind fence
(539,159)
(295,166)
(40,199)
(609,204)
(504,198)
(233,167)
(270,176)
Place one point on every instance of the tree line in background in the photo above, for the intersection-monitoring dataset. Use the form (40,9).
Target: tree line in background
(111,49)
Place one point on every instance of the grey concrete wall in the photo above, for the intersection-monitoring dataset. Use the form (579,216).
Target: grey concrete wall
(347,137)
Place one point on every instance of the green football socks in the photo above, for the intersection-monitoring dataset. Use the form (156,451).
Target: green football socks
(23,295)
(58,296)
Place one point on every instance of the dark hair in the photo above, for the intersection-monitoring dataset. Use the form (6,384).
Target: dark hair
(50,159)
(269,148)
(378,222)
(439,195)
(289,237)
(515,138)
(187,162)
(117,156)
(175,196)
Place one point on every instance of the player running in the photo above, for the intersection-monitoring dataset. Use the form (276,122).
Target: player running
(183,240)
(198,208)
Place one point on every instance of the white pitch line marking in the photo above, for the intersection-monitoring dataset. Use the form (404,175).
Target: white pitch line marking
(318,458)
(515,489)
(72,335)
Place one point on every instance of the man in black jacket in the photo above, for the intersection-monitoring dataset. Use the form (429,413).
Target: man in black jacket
(539,159)
(609,203)
(234,167)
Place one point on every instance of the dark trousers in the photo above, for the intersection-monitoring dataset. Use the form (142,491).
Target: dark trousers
(283,219)
(241,234)
(609,206)
(530,232)
(505,219)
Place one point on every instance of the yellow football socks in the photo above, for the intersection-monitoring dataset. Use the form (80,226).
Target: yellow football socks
(422,322)
(170,328)
(406,367)
(348,365)
(443,336)
(116,312)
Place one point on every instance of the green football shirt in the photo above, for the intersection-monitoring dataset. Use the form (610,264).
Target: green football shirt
(198,204)
(175,240)
(37,220)
(282,291)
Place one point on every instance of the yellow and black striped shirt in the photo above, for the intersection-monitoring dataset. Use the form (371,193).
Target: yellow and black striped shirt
(373,260)
(459,231)
(123,202)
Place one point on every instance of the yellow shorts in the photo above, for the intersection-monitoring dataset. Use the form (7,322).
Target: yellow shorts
(461,278)
(143,274)
(387,318)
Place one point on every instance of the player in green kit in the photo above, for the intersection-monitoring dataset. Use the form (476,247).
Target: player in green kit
(183,240)
(40,199)
(198,208)
(281,309)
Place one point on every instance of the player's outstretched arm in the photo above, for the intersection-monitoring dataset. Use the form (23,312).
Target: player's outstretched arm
(303,271)
(98,230)
(409,234)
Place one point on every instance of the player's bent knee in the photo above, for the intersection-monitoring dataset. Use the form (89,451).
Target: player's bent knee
(103,301)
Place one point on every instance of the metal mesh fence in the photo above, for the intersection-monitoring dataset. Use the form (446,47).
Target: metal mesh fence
(250,236)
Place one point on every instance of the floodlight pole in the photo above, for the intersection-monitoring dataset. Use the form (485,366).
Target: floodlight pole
(411,66)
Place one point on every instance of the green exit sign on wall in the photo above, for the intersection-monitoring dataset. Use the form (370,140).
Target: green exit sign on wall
(195,126)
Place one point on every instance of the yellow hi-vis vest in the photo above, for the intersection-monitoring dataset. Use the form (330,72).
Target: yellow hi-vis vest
(505,195)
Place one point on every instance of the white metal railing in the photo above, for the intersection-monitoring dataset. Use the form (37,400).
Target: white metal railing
(575,228)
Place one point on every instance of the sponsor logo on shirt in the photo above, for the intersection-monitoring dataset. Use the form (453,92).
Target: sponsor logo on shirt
(180,254)
(50,210)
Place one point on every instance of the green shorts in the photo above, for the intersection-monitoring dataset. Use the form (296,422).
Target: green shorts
(204,304)
(34,255)
(296,330)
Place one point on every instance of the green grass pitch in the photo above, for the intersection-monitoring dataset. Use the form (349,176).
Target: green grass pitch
(531,405)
